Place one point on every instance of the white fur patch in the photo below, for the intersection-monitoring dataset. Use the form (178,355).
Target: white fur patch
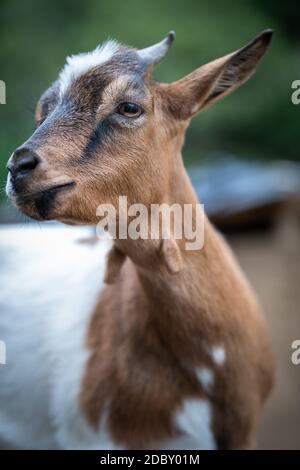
(218,354)
(205,377)
(50,285)
(194,423)
(79,64)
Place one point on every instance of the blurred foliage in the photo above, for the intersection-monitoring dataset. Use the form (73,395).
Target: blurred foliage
(257,121)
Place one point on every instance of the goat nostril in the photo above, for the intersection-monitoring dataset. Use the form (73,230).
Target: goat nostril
(24,161)
(28,162)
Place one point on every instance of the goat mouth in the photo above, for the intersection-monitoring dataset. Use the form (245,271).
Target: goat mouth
(33,196)
(43,201)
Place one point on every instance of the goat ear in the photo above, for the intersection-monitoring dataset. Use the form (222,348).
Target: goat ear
(213,81)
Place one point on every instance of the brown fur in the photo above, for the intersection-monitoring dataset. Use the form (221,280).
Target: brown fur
(164,307)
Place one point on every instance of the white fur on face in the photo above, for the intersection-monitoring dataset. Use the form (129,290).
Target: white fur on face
(77,65)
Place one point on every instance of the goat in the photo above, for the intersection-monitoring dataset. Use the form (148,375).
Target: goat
(125,344)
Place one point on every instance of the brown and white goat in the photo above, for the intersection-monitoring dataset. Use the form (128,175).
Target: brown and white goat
(170,352)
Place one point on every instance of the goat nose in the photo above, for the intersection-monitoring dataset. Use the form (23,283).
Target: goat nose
(22,161)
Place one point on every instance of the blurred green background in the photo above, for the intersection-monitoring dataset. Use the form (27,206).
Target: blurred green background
(258,121)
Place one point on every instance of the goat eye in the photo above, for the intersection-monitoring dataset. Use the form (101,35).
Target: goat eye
(130,110)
